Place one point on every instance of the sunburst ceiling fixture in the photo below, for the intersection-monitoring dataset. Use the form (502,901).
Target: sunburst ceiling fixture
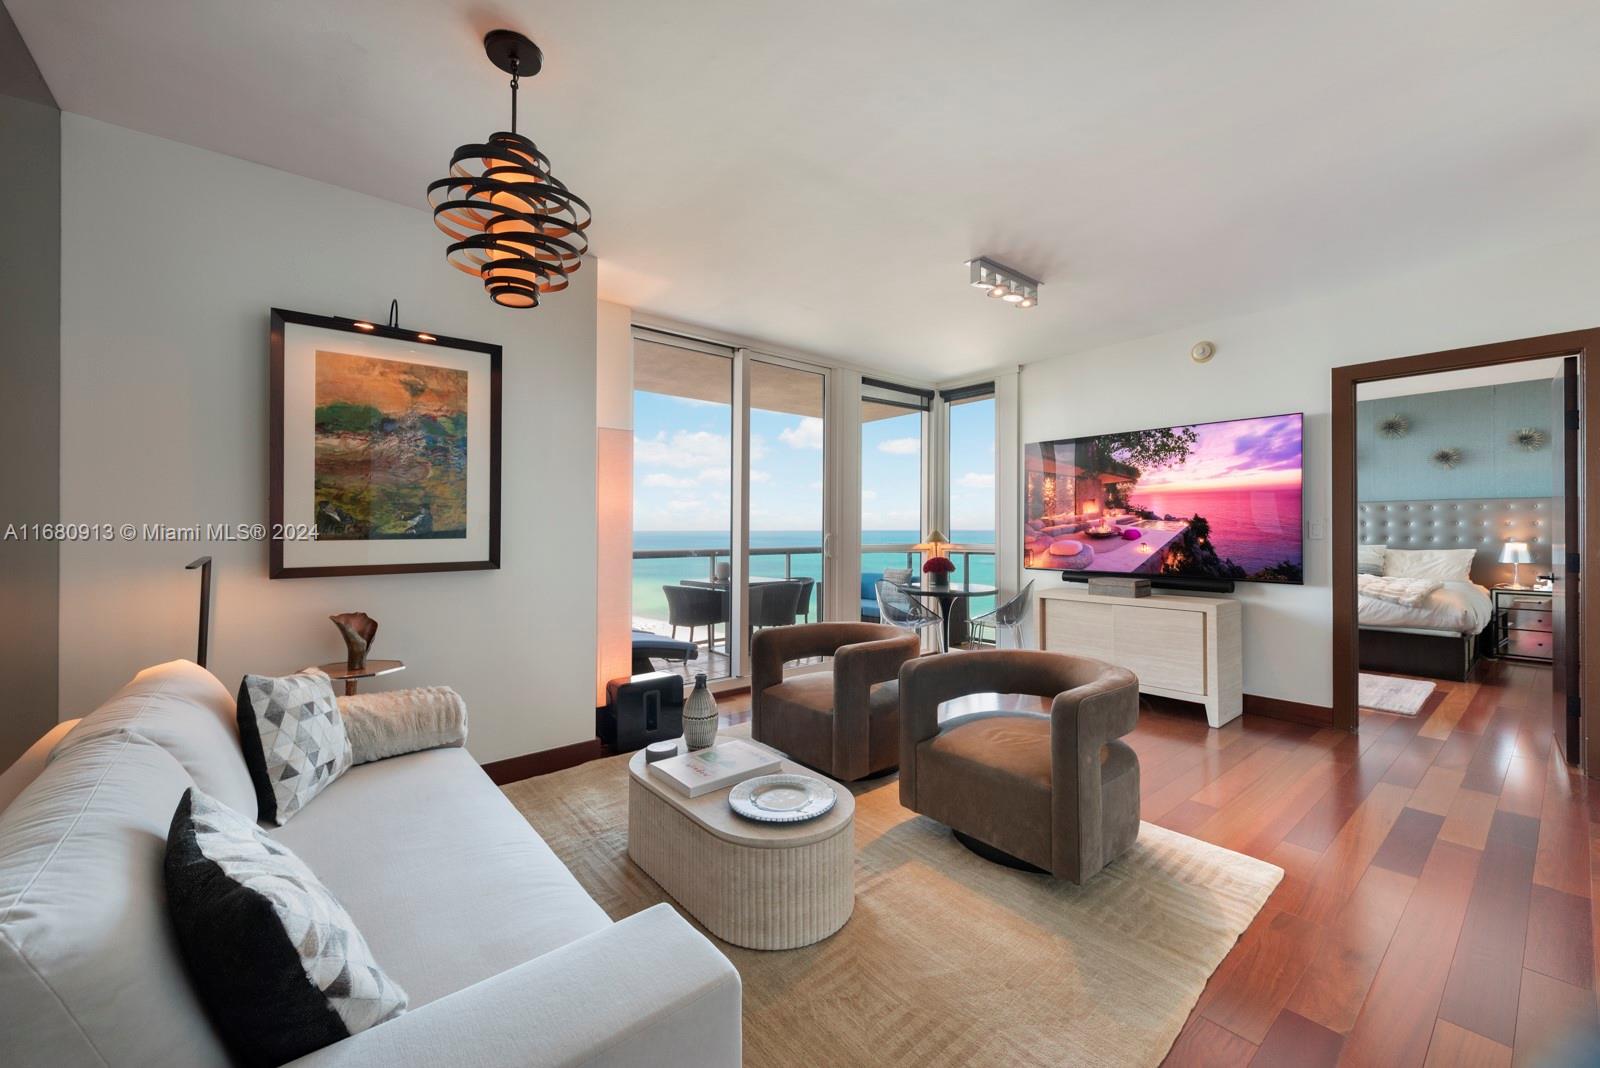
(511,222)
(1003,283)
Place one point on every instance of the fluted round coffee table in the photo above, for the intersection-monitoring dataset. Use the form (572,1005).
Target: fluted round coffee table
(757,885)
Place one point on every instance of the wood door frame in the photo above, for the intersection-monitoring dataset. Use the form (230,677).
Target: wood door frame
(1585,345)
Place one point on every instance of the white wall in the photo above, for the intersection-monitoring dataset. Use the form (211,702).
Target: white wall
(171,257)
(1279,361)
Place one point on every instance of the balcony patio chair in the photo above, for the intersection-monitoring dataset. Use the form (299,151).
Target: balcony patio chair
(1006,620)
(807,584)
(869,596)
(898,608)
(774,604)
(696,606)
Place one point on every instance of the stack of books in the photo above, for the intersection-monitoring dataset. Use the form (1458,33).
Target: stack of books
(705,770)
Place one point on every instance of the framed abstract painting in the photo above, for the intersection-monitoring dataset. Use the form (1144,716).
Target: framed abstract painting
(385,450)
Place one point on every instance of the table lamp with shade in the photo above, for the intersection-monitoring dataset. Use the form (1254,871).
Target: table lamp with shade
(933,549)
(935,544)
(1516,554)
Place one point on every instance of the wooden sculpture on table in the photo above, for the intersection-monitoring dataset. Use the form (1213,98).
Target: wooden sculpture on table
(358,630)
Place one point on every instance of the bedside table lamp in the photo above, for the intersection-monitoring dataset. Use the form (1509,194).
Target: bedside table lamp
(1516,554)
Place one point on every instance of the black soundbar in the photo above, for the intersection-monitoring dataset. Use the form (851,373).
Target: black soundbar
(1162,582)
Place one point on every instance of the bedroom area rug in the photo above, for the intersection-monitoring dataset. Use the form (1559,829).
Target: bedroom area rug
(948,959)
(1385,693)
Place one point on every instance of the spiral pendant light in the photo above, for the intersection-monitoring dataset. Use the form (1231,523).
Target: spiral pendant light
(510,221)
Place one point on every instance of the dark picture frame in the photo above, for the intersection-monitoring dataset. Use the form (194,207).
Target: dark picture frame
(282,322)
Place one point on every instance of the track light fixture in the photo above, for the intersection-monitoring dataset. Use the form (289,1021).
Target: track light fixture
(1003,283)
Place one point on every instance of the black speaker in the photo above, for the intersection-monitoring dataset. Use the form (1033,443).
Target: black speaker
(641,709)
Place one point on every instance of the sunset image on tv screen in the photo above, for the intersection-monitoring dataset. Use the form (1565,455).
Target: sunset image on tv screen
(1206,500)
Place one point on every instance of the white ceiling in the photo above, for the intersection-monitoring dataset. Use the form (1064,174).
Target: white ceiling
(817,173)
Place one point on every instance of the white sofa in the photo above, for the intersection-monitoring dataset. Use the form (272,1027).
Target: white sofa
(507,961)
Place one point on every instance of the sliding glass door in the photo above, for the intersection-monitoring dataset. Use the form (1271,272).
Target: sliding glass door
(894,443)
(729,484)
(787,476)
(683,427)
(970,480)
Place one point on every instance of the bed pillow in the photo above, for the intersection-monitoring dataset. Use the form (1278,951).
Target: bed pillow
(293,739)
(1441,565)
(279,965)
(1369,559)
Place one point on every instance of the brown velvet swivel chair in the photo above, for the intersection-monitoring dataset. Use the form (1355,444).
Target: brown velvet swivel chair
(1057,792)
(844,722)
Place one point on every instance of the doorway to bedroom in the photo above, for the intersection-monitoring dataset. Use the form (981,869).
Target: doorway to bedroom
(1458,521)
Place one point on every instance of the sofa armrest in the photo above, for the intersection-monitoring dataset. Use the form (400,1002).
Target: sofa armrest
(647,991)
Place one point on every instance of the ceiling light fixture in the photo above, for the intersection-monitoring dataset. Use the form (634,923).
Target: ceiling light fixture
(1011,286)
(511,222)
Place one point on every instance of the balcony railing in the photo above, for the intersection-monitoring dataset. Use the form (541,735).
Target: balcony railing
(961,555)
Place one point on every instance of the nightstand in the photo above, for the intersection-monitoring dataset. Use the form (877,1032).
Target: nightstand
(1522,623)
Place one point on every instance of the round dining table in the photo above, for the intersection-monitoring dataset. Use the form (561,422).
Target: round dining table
(947,594)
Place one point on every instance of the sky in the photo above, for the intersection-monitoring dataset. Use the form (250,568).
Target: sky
(683,458)
(1237,454)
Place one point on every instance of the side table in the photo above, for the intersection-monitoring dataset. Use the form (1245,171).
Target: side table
(339,669)
(1522,623)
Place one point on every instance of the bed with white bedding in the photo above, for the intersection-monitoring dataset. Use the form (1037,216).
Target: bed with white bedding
(1451,608)
(1419,610)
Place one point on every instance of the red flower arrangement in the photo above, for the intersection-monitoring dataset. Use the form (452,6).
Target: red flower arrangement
(938,565)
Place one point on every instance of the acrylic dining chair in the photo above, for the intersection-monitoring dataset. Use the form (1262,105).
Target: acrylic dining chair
(899,609)
(1007,619)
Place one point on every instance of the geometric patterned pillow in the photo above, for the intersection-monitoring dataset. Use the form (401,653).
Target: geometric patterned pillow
(277,961)
(293,739)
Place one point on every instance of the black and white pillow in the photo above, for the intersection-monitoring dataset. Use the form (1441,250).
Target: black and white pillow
(278,963)
(293,738)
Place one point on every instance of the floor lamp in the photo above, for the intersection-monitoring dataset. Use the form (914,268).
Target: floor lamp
(204,564)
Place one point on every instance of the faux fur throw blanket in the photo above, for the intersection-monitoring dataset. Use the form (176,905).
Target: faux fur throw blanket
(394,722)
(1409,592)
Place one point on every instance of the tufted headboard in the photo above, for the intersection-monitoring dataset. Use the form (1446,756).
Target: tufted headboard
(1483,524)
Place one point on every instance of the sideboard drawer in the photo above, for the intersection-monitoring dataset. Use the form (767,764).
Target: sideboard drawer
(1166,649)
(1080,629)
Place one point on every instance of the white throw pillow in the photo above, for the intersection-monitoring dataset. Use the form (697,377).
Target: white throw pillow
(293,738)
(1369,559)
(1441,565)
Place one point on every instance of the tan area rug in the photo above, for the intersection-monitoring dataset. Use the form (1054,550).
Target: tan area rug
(1385,693)
(948,959)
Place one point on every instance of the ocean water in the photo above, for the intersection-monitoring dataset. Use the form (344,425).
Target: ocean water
(1254,528)
(650,575)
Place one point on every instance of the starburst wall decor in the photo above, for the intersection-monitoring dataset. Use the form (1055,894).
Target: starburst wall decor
(1395,426)
(1529,439)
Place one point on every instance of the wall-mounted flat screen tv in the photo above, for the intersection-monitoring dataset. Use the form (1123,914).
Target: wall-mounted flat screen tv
(1182,505)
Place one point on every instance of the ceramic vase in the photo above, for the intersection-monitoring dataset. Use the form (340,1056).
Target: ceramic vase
(700,717)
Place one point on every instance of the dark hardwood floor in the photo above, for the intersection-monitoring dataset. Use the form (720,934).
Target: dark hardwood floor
(1438,903)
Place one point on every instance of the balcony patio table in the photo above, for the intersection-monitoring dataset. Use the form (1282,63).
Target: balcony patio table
(947,595)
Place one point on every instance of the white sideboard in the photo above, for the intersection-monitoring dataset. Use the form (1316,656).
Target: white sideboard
(1187,648)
